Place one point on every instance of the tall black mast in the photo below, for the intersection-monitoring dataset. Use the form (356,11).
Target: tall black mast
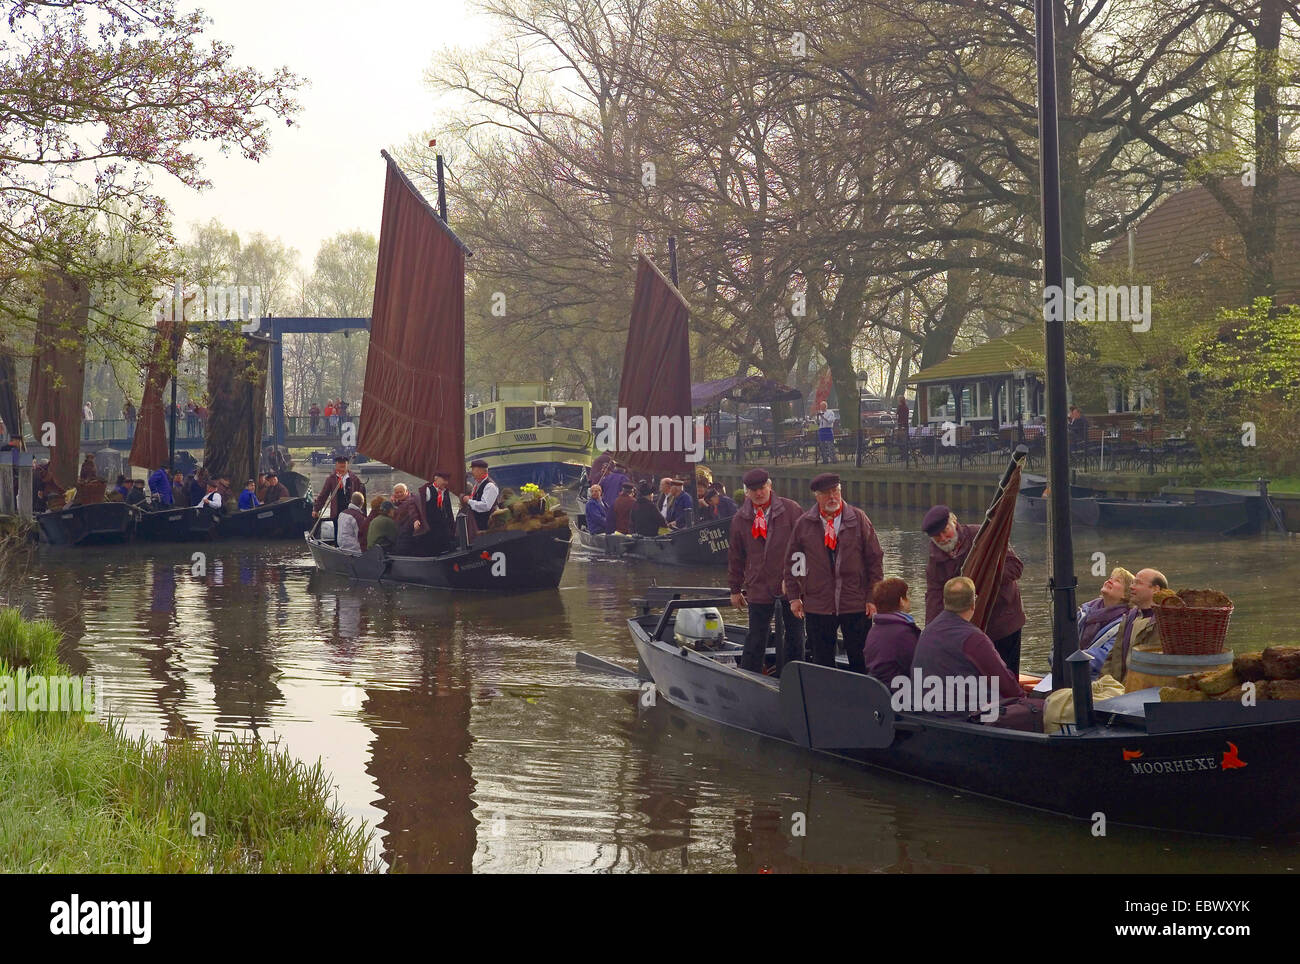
(1065,631)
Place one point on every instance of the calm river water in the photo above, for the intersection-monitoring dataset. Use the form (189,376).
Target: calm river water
(462,730)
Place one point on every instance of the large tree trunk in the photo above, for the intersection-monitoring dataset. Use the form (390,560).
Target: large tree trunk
(10,413)
(236,409)
(1261,234)
(54,392)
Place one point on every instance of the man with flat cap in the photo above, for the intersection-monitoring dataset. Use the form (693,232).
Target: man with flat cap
(435,527)
(832,564)
(623,506)
(950,544)
(760,531)
(483,500)
(680,510)
(341,484)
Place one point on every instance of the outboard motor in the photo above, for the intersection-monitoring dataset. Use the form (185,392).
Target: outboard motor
(699,628)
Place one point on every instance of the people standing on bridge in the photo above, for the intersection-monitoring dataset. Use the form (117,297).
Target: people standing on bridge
(129,413)
(330,420)
(832,564)
(341,484)
(950,544)
(191,419)
(314,412)
(87,416)
(760,532)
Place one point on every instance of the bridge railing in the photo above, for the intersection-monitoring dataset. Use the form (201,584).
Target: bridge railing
(190,429)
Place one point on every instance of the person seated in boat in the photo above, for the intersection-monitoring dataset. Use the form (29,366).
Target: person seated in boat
(383,528)
(213,498)
(259,488)
(962,657)
(338,488)
(181,492)
(950,544)
(375,504)
(623,506)
(1100,620)
(275,490)
(1138,630)
(227,491)
(122,487)
(88,471)
(351,525)
(248,498)
(665,498)
(136,496)
(597,516)
(721,505)
(682,507)
(647,520)
(160,484)
(891,641)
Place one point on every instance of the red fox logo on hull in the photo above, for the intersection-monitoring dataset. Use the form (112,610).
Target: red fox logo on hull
(1230,759)
(1132,754)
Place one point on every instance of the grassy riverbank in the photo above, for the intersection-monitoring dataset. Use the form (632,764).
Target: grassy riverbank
(82,797)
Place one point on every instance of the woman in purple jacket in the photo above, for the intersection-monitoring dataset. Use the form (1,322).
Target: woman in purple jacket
(891,643)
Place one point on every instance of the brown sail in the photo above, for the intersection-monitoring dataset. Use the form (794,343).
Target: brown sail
(656,375)
(149,448)
(413,402)
(988,553)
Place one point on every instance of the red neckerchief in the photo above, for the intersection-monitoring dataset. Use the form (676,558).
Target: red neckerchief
(759,529)
(439,497)
(830,525)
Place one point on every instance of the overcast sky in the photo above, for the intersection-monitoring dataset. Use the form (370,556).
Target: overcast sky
(365,63)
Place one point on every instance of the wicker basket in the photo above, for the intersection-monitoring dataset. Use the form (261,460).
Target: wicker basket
(1193,630)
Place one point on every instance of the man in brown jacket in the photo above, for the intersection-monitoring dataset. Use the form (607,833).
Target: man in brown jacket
(832,563)
(950,544)
(341,484)
(760,531)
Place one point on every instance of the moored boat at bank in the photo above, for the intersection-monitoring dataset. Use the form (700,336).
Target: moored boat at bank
(702,544)
(98,522)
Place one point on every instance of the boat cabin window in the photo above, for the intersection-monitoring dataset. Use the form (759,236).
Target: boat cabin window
(566,416)
(519,417)
(483,423)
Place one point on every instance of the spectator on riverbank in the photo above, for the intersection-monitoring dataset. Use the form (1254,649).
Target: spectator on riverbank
(314,412)
(1078,429)
(129,413)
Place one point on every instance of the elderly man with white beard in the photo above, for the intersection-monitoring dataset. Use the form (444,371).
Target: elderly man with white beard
(950,544)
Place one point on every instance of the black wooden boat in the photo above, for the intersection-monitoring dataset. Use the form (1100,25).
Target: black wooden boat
(1218,511)
(285,519)
(177,523)
(500,561)
(703,544)
(1214,768)
(78,525)
(419,311)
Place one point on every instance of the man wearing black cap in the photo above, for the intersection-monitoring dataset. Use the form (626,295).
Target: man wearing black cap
(680,510)
(341,484)
(483,500)
(436,526)
(760,532)
(833,562)
(950,544)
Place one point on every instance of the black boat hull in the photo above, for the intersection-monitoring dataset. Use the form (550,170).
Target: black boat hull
(286,519)
(177,524)
(1211,511)
(79,525)
(1240,780)
(703,544)
(506,561)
